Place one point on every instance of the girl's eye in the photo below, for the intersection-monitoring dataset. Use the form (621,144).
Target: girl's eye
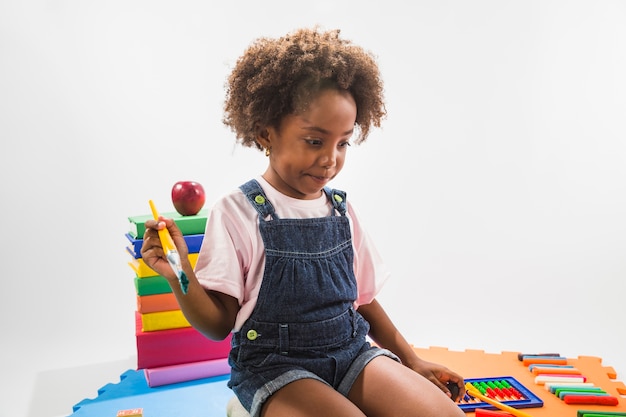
(319,142)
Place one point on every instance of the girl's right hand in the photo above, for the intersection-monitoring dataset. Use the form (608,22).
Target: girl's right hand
(152,250)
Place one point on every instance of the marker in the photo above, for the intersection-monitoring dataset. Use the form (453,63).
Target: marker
(454,390)
(173,258)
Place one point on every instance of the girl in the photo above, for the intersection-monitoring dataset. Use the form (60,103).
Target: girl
(285,265)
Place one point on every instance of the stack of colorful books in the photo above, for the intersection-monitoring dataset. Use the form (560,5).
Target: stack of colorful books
(169,350)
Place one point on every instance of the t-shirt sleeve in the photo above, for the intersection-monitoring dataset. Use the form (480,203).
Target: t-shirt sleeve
(225,253)
(369,269)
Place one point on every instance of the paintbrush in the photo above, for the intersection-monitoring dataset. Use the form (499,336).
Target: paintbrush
(171,254)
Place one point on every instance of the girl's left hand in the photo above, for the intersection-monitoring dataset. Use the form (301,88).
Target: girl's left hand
(440,376)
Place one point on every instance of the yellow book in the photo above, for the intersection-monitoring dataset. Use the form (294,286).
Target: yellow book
(143,271)
(163,320)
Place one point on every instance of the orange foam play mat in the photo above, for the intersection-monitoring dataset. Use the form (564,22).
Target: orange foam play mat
(209,396)
(478,364)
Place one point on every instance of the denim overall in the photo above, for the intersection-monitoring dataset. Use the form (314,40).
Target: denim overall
(304,324)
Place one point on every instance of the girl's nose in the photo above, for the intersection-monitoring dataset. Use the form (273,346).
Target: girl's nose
(329,158)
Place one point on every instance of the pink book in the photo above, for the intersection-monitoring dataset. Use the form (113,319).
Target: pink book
(186,372)
(176,346)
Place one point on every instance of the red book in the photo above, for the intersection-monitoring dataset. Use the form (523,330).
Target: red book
(176,346)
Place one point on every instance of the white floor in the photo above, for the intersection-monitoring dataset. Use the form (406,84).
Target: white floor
(501,164)
(40,391)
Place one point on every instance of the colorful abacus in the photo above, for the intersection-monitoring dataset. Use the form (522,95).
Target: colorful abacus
(505,389)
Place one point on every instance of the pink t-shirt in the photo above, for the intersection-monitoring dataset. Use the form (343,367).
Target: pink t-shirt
(232,256)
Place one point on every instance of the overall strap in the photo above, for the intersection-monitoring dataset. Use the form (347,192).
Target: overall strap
(255,195)
(338,198)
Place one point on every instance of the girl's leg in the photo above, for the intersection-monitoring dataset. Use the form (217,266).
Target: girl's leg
(309,398)
(387,388)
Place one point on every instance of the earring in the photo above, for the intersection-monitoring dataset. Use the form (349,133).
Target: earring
(268,151)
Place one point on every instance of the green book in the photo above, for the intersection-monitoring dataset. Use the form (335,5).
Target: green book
(188,225)
(152,285)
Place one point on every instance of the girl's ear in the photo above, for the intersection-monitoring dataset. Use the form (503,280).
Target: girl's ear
(263,136)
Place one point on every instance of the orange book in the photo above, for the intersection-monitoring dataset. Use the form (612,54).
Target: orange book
(157,302)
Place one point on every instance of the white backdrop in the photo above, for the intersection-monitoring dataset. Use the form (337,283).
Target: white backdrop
(496,188)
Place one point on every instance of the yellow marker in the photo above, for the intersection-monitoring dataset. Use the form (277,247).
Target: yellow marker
(173,258)
(474,392)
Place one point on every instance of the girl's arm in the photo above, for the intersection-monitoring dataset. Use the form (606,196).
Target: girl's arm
(385,334)
(211,313)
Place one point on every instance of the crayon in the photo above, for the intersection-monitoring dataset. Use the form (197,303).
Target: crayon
(594,413)
(555,360)
(133,412)
(520,356)
(591,399)
(562,394)
(551,386)
(480,412)
(572,390)
(548,365)
(588,413)
(573,376)
(554,370)
(542,379)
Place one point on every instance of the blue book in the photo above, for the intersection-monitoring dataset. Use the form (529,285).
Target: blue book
(194,242)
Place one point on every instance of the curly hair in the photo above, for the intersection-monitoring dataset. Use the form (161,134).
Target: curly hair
(278,77)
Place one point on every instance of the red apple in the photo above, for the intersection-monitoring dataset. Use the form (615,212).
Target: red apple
(188,197)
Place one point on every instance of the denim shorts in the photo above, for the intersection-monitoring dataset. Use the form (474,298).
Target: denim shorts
(281,354)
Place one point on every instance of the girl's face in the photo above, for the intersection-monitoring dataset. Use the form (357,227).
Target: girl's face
(308,150)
